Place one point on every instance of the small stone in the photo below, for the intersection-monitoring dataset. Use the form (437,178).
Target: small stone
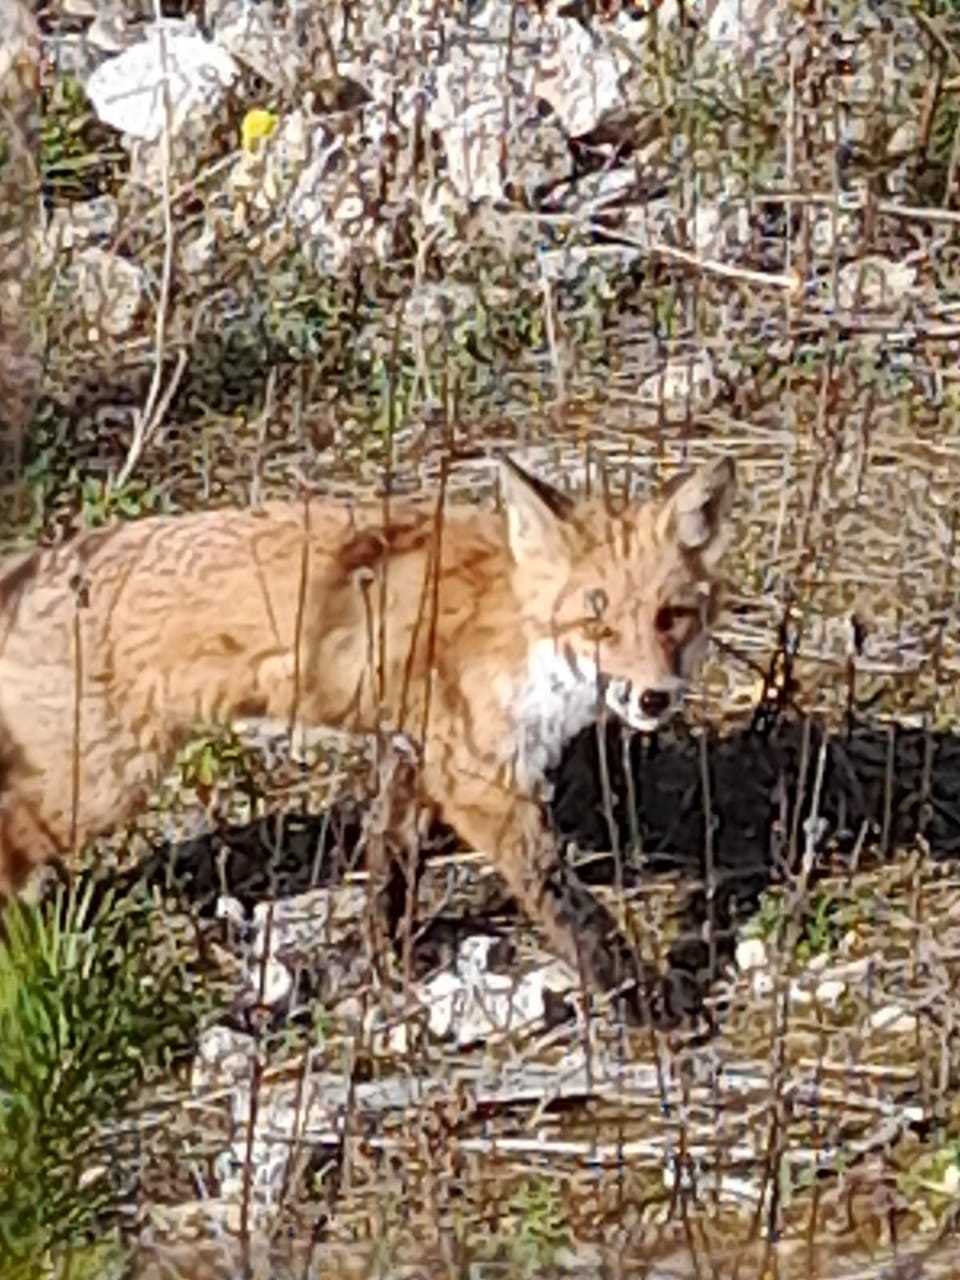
(223,1057)
(800,995)
(752,954)
(198,253)
(577,75)
(740,28)
(110,32)
(471,139)
(828,993)
(298,922)
(111,290)
(82,222)
(251,35)
(892,1020)
(275,986)
(874,282)
(682,383)
(93,1173)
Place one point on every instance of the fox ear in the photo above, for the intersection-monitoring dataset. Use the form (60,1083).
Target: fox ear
(694,514)
(536,513)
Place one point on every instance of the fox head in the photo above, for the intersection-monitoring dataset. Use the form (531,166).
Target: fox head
(618,606)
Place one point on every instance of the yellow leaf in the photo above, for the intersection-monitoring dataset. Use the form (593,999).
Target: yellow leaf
(257,124)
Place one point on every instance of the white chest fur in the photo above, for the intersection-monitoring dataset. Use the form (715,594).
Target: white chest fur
(553,701)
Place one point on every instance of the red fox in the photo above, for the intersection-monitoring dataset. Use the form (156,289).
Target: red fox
(489,638)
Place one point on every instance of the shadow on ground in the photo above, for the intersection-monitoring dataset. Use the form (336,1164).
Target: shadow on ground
(731,815)
(726,815)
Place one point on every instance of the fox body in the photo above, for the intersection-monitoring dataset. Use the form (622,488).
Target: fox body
(489,638)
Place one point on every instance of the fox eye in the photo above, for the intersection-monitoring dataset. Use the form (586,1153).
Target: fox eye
(669,617)
(597,601)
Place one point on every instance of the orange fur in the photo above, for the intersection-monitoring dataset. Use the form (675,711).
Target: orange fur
(479,635)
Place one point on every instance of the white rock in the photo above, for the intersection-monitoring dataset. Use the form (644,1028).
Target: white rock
(716,232)
(128,92)
(111,290)
(892,1020)
(874,282)
(229,908)
(302,921)
(682,382)
(753,960)
(445,997)
(223,1057)
(830,991)
(577,75)
(752,954)
(905,139)
(199,252)
(82,8)
(529,993)
(470,131)
(481,101)
(478,90)
(741,28)
(283,1114)
(396,1041)
(474,955)
(19,43)
(81,222)
(249,33)
(271,982)
(473,1005)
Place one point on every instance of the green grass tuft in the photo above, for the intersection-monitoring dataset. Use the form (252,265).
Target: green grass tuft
(95,1003)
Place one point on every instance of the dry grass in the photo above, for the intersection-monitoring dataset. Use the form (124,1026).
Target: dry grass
(805,1136)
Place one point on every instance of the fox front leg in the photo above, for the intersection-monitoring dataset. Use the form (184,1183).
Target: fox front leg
(511,830)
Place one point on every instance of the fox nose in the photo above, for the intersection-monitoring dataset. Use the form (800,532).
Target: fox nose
(654,703)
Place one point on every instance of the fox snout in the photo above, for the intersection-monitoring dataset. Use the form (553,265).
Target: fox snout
(644,708)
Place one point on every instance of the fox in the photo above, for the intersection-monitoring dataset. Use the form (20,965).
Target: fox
(484,639)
